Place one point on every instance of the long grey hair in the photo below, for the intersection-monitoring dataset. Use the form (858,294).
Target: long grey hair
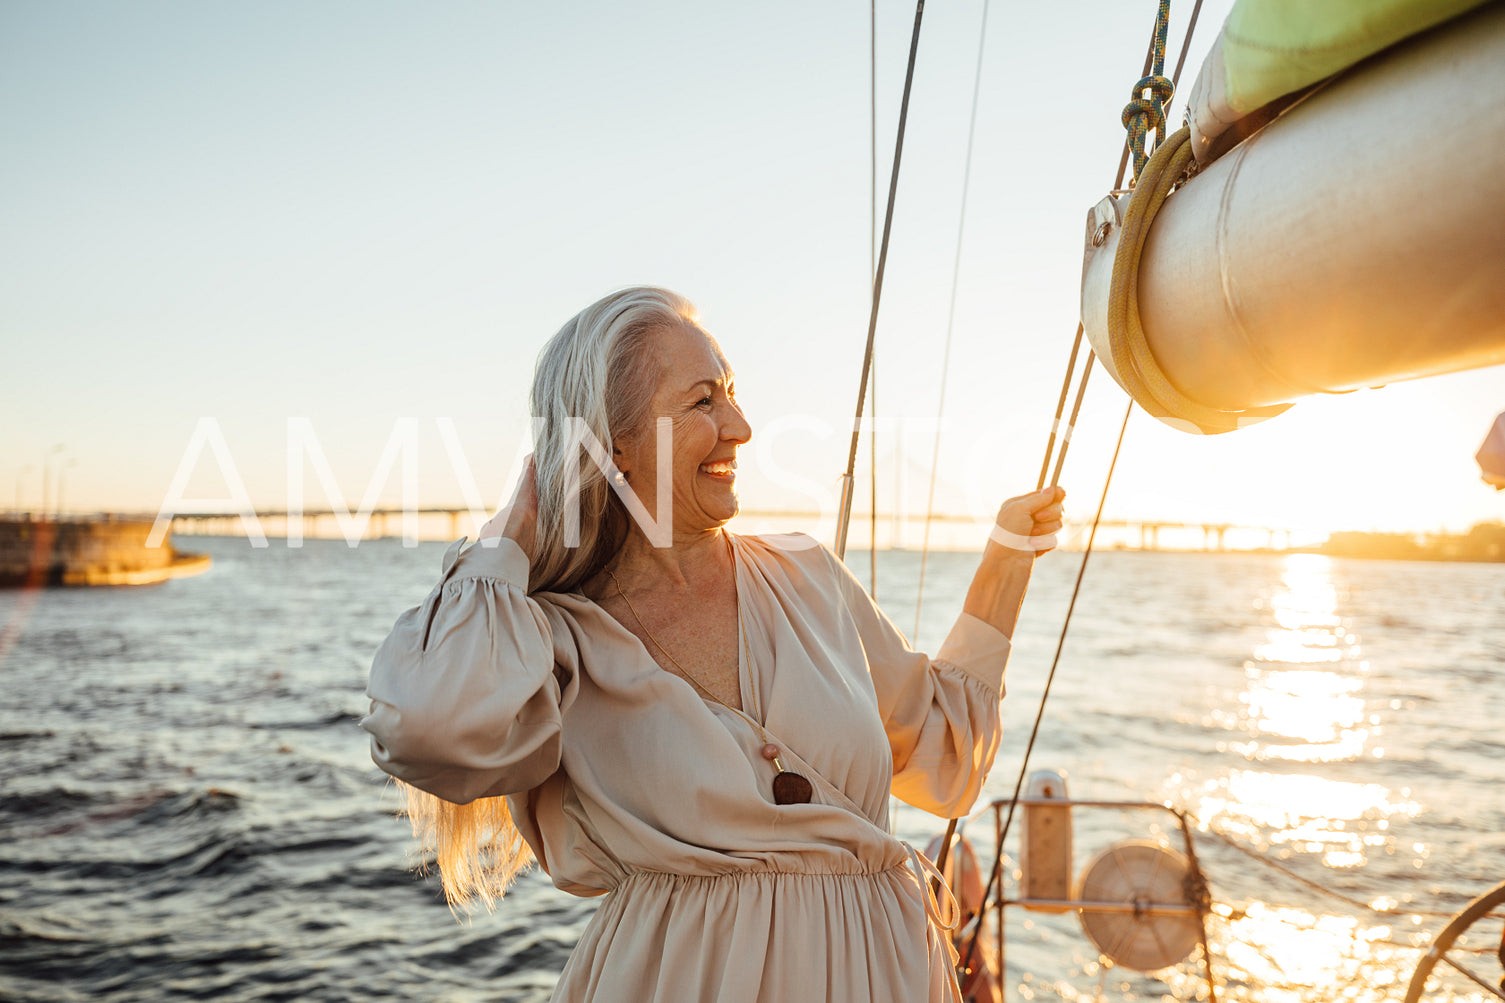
(599,368)
(597,376)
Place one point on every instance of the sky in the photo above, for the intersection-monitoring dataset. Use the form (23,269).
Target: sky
(365,219)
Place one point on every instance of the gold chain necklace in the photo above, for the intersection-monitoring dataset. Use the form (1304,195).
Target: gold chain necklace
(788,787)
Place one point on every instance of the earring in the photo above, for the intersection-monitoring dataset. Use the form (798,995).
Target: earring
(619,479)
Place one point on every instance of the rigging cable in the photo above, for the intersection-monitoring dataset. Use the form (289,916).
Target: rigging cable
(1156,60)
(1155,48)
(872,326)
(994,878)
(935,453)
(872,444)
(872,235)
(1050,444)
(956,270)
(1333,893)
(1055,428)
(1118,180)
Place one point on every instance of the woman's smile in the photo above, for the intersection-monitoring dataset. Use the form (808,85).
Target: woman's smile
(696,394)
(720,470)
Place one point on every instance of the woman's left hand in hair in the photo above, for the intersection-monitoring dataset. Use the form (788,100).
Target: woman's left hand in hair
(517,519)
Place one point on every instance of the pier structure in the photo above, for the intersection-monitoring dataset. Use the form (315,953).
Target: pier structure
(1214,534)
(1133,534)
(101,549)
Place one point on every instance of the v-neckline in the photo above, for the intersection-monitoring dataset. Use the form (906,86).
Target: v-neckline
(746,685)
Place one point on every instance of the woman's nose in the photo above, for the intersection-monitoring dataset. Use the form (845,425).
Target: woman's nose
(735,428)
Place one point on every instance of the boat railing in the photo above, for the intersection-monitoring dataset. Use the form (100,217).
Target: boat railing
(1196,901)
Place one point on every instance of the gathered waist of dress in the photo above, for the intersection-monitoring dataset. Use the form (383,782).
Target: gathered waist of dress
(771,871)
(858,935)
(912,875)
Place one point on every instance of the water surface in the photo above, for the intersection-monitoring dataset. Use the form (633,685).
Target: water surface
(188,809)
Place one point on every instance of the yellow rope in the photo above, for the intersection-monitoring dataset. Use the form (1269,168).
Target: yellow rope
(1132,358)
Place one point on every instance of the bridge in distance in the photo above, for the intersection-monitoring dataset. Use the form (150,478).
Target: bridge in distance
(1141,534)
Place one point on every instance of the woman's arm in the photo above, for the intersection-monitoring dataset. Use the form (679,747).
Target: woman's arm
(941,713)
(469,689)
(1025,526)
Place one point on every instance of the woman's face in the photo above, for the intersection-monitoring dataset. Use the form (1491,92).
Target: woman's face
(697,396)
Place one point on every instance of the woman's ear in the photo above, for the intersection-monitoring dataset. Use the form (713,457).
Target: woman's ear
(619,457)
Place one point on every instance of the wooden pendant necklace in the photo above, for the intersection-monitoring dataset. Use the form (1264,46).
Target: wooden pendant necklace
(788,787)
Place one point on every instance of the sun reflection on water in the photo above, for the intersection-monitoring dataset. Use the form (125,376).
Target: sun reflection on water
(1320,710)
(1287,947)
(1306,814)
(1304,712)
(1307,628)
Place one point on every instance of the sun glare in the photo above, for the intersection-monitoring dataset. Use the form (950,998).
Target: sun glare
(1303,710)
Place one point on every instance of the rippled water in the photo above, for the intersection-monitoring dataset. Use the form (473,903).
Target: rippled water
(187,809)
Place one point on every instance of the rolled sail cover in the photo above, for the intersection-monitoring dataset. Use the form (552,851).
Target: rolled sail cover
(1491,455)
(1358,239)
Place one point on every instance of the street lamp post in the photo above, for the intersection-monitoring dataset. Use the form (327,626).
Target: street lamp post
(47,476)
(19,478)
(62,475)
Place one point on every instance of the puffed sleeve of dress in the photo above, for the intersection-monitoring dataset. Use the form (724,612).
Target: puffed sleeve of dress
(941,713)
(468,691)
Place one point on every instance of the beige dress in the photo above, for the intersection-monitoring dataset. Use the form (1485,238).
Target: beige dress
(626,782)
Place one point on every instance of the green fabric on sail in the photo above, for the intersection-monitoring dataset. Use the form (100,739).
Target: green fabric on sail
(1274,47)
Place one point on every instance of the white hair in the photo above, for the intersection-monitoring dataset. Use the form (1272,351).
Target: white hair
(600,369)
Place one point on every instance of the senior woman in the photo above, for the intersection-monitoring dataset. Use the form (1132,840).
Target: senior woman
(703,727)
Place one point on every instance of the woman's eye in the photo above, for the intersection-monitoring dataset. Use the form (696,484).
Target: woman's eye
(704,402)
